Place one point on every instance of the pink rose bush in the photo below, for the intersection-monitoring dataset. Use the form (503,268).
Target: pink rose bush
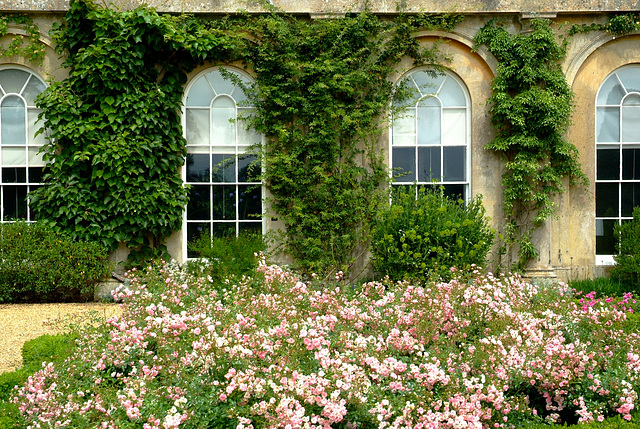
(272,351)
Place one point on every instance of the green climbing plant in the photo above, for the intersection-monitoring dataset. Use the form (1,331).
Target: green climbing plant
(28,45)
(321,93)
(531,107)
(116,144)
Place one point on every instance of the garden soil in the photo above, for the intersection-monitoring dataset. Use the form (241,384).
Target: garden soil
(22,322)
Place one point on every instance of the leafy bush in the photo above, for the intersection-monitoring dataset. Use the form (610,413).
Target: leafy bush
(627,268)
(424,232)
(603,286)
(222,257)
(38,264)
(273,351)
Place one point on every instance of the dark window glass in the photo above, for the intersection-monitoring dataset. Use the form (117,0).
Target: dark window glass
(607,199)
(605,239)
(14,175)
(454,164)
(608,164)
(199,207)
(404,164)
(14,202)
(429,164)
(630,198)
(630,164)
(197,167)
(224,202)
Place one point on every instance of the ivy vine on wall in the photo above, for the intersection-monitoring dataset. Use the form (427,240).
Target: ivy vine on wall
(321,92)
(27,46)
(531,106)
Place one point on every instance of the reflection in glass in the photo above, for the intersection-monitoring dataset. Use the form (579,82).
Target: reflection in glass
(404,164)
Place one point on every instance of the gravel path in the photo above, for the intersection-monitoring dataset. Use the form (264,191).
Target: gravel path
(22,322)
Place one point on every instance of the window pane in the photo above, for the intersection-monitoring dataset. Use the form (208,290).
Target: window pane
(36,174)
(428,82)
(14,156)
(451,94)
(454,164)
(219,83)
(605,240)
(630,198)
(455,192)
(251,227)
(14,202)
(32,90)
(630,78)
(630,164)
(224,168)
(14,175)
(608,124)
(35,125)
(200,94)
(404,164)
(248,168)
(197,167)
(197,127)
(607,199)
(429,121)
(13,80)
(404,128)
(224,202)
(429,164)
(249,202)
(199,207)
(246,136)
(608,167)
(13,121)
(224,229)
(194,231)
(223,127)
(631,123)
(454,127)
(611,93)
(35,156)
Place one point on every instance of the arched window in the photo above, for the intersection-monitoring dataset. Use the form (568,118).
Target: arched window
(226,194)
(617,154)
(20,161)
(430,133)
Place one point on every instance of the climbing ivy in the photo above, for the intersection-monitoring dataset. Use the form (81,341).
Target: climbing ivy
(116,146)
(531,105)
(321,92)
(27,46)
(616,25)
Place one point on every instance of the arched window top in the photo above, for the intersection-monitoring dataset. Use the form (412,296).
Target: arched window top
(215,83)
(21,82)
(619,84)
(425,83)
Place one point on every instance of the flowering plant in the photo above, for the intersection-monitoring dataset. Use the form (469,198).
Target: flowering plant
(274,352)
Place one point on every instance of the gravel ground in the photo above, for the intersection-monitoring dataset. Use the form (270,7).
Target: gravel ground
(22,322)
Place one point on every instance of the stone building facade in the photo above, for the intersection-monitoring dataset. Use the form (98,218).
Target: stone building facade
(602,70)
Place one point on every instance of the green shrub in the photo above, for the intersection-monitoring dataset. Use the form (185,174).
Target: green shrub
(603,286)
(627,268)
(222,257)
(38,264)
(424,232)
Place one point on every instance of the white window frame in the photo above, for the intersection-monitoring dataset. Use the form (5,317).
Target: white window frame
(32,145)
(608,259)
(238,148)
(437,93)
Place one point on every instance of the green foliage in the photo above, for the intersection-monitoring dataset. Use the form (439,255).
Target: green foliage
(321,92)
(224,257)
(603,286)
(38,264)
(424,235)
(617,25)
(27,46)
(115,136)
(531,106)
(627,268)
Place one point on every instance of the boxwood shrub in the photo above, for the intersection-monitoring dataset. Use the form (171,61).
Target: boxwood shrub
(425,233)
(38,264)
